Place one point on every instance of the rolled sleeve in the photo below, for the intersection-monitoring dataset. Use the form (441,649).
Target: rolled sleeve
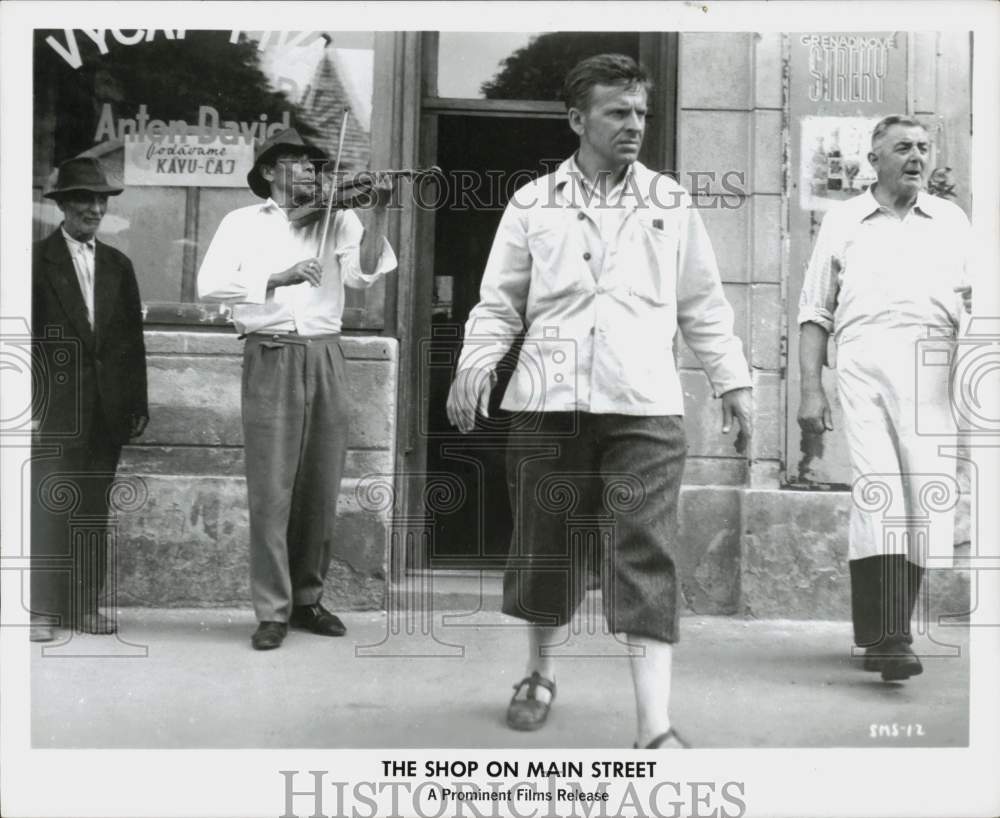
(225,275)
(818,300)
(348,232)
(499,316)
(704,316)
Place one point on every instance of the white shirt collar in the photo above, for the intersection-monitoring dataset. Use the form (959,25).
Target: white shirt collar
(925,204)
(271,206)
(570,170)
(76,243)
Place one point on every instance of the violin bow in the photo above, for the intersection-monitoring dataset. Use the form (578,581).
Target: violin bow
(336,172)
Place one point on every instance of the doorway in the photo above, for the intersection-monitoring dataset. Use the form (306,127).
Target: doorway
(487,158)
(491,124)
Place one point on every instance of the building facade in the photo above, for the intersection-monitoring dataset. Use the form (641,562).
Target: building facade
(764,130)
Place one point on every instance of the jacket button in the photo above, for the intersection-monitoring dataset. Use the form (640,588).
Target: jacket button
(586,256)
(581,215)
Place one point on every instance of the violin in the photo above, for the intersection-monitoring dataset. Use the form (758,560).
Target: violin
(353,191)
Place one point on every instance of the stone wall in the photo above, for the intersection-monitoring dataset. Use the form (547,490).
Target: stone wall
(188,544)
(730,128)
(793,561)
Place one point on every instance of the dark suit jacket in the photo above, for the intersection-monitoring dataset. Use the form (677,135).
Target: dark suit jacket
(85,374)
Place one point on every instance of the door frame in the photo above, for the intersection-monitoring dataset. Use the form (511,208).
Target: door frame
(409,303)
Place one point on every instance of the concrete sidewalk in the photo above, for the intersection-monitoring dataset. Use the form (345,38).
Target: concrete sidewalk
(189,679)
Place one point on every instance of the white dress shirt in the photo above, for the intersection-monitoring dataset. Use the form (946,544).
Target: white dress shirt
(601,295)
(870,268)
(255,242)
(82,253)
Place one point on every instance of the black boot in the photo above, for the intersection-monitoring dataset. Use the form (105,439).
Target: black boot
(900,588)
(866,596)
(915,577)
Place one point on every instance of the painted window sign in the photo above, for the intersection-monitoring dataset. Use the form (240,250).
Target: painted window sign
(174,115)
(848,68)
(186,161)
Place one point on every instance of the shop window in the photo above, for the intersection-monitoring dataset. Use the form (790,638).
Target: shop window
(174,116)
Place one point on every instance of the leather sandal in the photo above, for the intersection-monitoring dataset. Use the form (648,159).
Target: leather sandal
(671,739)
(530,713)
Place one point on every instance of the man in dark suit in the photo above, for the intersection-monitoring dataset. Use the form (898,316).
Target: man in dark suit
(89,363)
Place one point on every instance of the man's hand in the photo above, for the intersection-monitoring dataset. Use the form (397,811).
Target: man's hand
(381,192)
(966,291)
(815,416)
(308,270)
(137,425)
(738,404)
(469,394)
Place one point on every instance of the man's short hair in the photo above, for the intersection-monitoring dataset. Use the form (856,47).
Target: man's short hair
(602,69)
(893,119)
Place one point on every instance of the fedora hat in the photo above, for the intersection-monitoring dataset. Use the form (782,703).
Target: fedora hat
(286,140)
(81,173)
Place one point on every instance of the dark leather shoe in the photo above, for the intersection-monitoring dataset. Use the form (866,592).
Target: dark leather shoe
(97,623)
(42,633)
(530,712)
(317,619)
(873,659)
(269,635)
(895,659)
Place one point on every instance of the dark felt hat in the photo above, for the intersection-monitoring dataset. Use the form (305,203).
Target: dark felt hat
(81,173)
(286,140)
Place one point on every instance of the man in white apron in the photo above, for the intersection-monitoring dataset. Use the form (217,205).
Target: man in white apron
(889,271)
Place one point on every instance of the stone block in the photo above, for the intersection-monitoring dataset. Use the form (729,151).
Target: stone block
(229,461)
(768,70)
(159,342)
(794,551)
(205,460)
(194,400)
(768,149)
(703,419)
(766,311)
(729,229)
(715,70)
(794,560)
(713,145)
(766,233)
(953,593)
(737,294)
(765,474)
(371,402)
(714,471)
(769,416)
(188,546)
(708,549)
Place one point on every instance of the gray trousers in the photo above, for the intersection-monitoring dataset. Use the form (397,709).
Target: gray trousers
(295,440)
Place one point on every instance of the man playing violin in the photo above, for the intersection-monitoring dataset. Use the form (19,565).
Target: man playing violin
(287,304)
